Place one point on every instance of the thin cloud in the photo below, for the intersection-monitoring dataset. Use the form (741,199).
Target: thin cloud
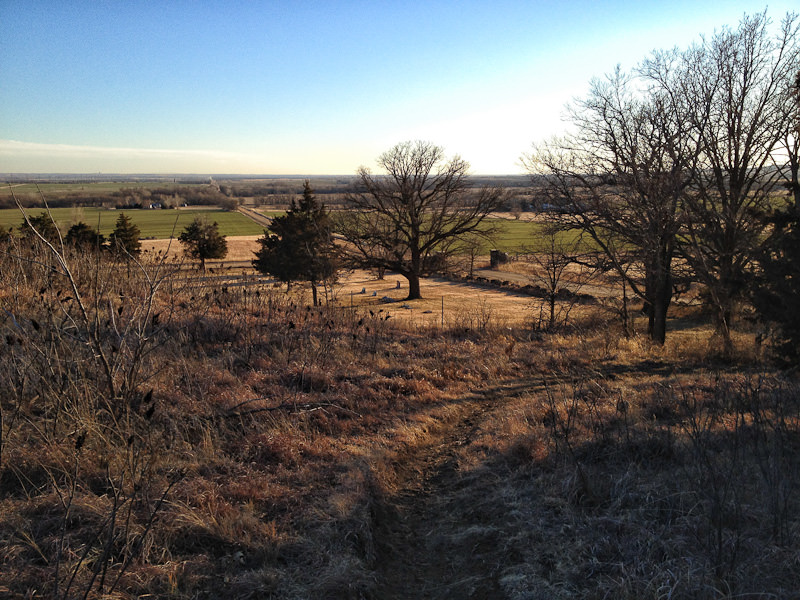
(31,157)
(16,148)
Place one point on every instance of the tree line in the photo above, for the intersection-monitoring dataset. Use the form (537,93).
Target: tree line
(41,228)
(127,198)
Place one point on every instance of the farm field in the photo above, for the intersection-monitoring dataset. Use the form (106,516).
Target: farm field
(512,235)
(152,223)
(522,235)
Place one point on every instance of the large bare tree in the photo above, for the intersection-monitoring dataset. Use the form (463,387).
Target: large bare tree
(790,167)
(410,218)
(619,179)
(684,157)
(736,87)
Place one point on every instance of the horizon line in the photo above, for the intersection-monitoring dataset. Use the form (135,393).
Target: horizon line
(33,174)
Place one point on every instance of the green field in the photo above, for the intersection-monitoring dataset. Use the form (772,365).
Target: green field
(511,236)
(522,236)
(151,223)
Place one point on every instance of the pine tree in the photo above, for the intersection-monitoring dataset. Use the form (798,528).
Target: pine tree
(298,246)
(202,241)
(42,223)
(125,237)
(84,237)
(778,284)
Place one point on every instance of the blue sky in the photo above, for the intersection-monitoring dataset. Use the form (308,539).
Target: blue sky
(310,87)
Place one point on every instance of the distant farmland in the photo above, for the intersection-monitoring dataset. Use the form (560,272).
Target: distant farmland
(152,223)
(92,187)
(511,236)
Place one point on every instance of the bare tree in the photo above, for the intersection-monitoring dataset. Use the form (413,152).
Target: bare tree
(469,248)
(790,168)
(411,219)
(620,179)
(561,269)
(736,87)
(695,144)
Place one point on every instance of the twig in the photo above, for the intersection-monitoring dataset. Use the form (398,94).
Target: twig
(293,407)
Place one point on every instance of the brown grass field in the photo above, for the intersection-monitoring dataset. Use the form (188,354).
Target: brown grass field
(462,302)
(179,435)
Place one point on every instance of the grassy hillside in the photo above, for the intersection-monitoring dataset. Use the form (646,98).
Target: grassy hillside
(164,435)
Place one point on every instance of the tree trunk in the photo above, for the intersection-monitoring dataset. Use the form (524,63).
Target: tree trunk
(658,328)
(413,273)
(794,182)
(724,321)
(626,329)
(413,286)
(724,297)
(662,295)
(314,300)
(659,295)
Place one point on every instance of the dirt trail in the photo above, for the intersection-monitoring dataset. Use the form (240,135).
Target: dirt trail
(256,216)
(434,536)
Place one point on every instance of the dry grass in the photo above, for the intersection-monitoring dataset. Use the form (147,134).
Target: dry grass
(641,477)
(246,445)
(240,248)
(463,304)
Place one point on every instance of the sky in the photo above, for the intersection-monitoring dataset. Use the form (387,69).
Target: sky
(312,87)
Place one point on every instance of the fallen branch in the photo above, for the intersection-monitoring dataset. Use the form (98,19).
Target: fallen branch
(306,407)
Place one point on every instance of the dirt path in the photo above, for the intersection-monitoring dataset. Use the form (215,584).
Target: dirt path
(256,216)
(435,537)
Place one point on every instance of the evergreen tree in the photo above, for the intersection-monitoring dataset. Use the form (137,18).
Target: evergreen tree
(43,223)
(778,283)
(298,246)
(778,286)
(202,240)
(83,237)
(125,237)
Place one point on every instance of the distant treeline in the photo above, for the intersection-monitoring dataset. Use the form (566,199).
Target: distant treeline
(127,198)
(227,193)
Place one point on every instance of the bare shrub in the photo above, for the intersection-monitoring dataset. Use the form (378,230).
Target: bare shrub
(80,343)
(560,272)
